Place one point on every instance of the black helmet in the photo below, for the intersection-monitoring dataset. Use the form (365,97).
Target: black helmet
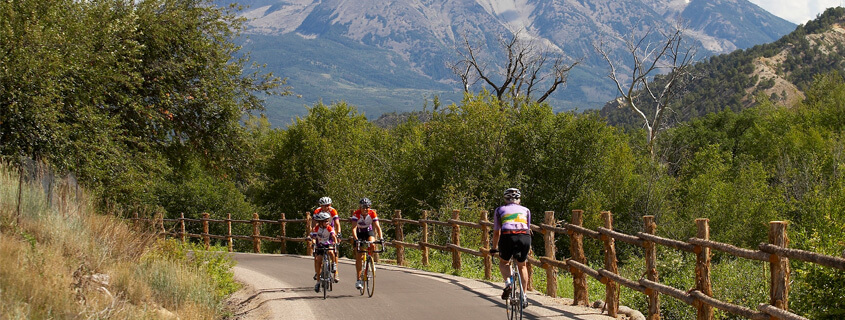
(512,194)
(365,202)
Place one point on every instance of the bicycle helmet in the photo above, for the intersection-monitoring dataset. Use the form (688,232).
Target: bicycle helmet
(325,201)
(322,216)
(366,202)
(512,194)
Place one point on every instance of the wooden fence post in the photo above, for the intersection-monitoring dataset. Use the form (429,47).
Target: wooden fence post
(256,232)
(229,241)
(576,248)
(779,285)
(456,240)
(159,221)
(611,287)
(424,237)
(702,270)
(400,236)
(549,239)
(283,234)
(651,268)
(309,249)
(182,233)
(485,246)
(137,221)
(205,239)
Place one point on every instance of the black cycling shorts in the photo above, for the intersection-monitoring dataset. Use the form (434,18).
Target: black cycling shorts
(514,245)
(364,234)
(320,249)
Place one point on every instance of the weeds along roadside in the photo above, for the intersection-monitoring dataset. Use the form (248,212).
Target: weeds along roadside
(63,260)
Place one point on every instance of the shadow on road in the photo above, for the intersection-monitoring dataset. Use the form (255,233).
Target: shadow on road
(283,290)
(533,304)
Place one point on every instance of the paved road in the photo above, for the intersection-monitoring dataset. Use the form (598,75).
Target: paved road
(280,286)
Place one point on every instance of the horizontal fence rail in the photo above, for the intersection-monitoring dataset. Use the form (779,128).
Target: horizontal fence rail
(774,252)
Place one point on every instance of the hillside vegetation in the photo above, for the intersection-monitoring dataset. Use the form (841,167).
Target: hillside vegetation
(64,261)
(781,71)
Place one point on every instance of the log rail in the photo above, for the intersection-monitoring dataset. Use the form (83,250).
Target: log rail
(774,252)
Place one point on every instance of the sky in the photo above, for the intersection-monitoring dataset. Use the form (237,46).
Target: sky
(797,11)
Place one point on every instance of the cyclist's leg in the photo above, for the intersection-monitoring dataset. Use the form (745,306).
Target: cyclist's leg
(505,254)
(333,257)
(522,243)
(318,264)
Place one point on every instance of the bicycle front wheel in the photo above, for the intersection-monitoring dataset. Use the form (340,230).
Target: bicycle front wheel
(371,276)
(514,302)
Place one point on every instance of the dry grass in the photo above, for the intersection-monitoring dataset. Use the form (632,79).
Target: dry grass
(62,260)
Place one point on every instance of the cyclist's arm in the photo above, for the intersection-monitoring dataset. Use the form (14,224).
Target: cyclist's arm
(337,223)
(496,235)
(378,229)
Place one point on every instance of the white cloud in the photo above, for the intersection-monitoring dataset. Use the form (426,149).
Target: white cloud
(797,11)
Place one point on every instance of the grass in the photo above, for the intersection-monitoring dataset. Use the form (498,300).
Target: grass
(61,259)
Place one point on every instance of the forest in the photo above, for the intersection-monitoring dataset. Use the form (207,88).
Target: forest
(150,105)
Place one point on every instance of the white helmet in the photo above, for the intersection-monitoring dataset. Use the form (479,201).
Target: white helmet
(512,194)
(325,201)
(322,216)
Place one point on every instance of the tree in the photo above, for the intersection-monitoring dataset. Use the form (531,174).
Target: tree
(670,55)
(528,66)
(121,91)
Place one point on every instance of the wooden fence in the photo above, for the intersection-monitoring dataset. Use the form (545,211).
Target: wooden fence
(775,252)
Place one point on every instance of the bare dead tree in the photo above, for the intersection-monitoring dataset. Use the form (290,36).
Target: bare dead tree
(669,56)
(525,69)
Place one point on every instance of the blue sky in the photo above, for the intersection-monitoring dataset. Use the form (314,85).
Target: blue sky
(797,11)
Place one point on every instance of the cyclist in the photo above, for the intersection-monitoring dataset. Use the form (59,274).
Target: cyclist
(323,237)
(512,237)
(334,221)
(368,227)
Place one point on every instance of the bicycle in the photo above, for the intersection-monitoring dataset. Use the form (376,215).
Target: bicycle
(327,274)
(368,270)
(516,301)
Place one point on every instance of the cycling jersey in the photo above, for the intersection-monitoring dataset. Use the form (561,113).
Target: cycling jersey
(332,212)
(512,218)
(323,235)
(364,220)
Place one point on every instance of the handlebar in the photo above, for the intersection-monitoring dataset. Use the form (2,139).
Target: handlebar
(358,244)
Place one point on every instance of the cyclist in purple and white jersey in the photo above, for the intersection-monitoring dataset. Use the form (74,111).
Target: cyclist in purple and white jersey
(512,237)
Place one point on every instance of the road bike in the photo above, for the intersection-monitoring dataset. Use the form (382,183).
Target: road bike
(327,274)
(516,301)
(368,270)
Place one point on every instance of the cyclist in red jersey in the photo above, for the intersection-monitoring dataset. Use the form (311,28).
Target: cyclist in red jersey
(367,228)
(334,221)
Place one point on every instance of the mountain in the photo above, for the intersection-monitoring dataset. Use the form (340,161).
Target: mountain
(389,56)
(781,71)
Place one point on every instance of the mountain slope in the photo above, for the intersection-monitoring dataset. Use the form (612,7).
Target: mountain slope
(780,71)
(385,57)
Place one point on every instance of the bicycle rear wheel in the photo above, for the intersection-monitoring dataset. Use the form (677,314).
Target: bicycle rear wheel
(515,299)
(371,276)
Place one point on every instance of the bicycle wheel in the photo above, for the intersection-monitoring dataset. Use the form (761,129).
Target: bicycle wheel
(517,295)
(371,276)
(324,278)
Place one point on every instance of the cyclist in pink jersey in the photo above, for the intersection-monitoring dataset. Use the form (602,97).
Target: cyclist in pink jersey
(334,221)
(512,237)
(367,228)
(323,237)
